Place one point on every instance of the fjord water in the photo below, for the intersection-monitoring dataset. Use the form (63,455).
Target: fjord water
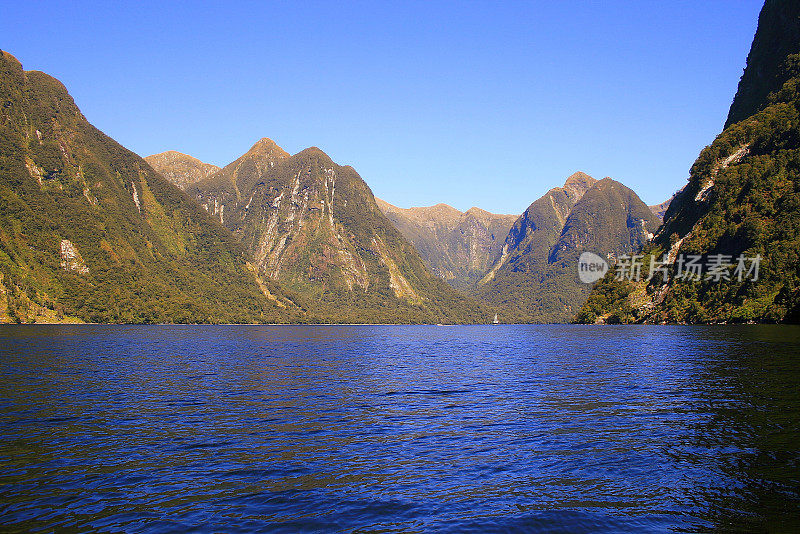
(399,428)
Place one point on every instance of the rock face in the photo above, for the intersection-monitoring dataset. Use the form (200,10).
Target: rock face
(88,230)
(459,247)
(535,279)
(71,259)
(742,201)
(315,226)
(180,169)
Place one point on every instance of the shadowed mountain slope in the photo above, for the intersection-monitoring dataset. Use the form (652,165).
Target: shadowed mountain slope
(742,200)
(659,210)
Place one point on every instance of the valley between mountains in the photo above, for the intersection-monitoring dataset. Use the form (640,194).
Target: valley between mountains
(315,227)
(91,232)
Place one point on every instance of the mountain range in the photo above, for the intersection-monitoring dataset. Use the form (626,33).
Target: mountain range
(521,267)
(315,228)
(285,209)
(89,231)
(458,247)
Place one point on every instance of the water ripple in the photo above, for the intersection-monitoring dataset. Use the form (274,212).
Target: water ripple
(400,429)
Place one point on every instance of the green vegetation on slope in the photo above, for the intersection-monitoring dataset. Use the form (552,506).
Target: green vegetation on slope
(314,226)
(536,278)
(88,230)
(743,198)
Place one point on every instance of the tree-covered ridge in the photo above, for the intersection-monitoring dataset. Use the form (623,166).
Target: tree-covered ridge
(742,200)
(315,227)
(459,247)
(535,279)
(180,169)
(88,230)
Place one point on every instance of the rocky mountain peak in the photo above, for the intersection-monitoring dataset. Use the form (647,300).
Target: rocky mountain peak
(578,183)
(179,168)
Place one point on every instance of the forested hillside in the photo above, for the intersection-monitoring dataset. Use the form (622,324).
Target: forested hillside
(536,277)
(742,202)
(88,231)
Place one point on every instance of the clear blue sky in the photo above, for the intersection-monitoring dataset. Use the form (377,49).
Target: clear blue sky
(468,103)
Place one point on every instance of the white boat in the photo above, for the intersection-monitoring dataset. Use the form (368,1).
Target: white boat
(495,321)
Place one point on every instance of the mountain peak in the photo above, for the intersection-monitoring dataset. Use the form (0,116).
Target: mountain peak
(480,213)
(179,168)
(172,155)
(578,183)
(314,151)
(267,147)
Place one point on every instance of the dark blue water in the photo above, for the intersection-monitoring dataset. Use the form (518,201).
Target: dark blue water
(400,428)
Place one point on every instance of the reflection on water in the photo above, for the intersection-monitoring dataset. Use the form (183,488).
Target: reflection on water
(399,428)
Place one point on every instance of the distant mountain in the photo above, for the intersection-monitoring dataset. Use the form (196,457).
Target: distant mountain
(180,169)
(742,202)
(533,234)
(660,209)
(315,227)
(89,231)
(535,278)
(459,247)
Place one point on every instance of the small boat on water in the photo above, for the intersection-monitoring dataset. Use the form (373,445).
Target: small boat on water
(495,321)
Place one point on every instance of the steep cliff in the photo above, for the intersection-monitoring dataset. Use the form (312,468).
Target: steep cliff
(742,202)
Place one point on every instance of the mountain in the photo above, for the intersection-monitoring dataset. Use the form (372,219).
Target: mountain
(537,229)
(742,203)
(315,227)
(180,169)
(535,278)
(457,246)
(89,231)
(777,38)
(660,209)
